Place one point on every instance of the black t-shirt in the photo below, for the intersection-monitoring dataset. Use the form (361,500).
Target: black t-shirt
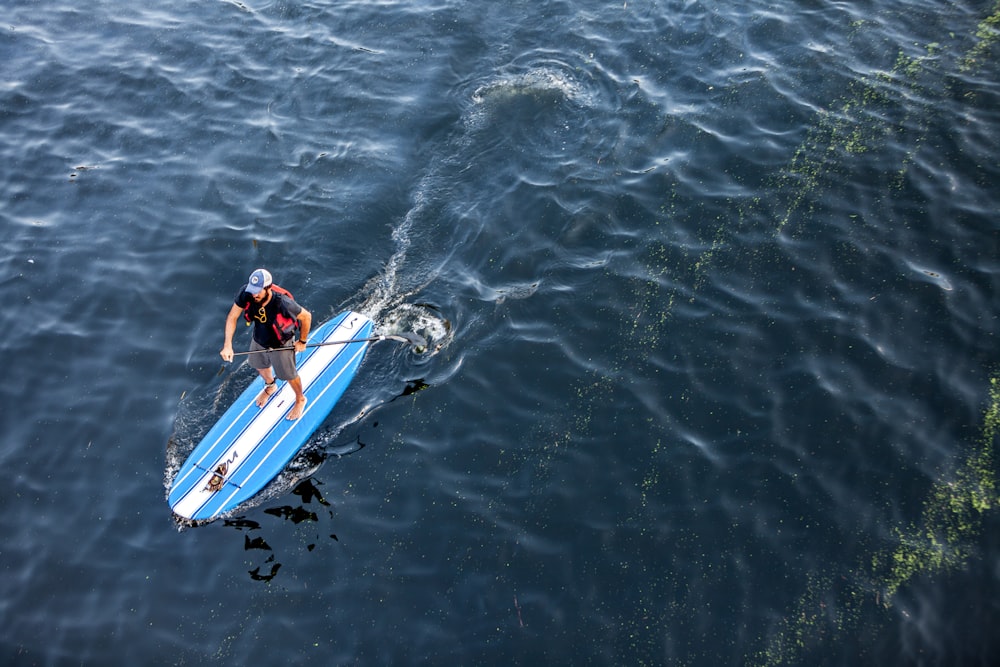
(266,320)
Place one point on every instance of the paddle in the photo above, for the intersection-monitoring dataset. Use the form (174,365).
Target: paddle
(406,337)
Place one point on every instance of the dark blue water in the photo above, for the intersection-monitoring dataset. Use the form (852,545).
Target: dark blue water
(711,292)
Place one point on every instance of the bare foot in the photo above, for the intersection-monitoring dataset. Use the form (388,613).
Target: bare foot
(296,411)
(264,395)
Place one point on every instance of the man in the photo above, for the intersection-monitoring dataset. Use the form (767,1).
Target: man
(281,328)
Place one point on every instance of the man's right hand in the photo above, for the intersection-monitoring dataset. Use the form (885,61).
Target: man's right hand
(226,353)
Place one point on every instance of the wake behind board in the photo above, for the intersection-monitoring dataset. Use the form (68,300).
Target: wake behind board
(249,446)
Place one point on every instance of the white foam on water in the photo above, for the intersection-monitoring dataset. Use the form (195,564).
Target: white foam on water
(545,82)
(387,297)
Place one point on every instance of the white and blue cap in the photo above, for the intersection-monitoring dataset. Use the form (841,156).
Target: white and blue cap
(259,279)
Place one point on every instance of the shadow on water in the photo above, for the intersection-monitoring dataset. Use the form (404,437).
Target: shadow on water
(296,514)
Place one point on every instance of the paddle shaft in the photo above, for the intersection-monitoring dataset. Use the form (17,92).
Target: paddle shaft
(337,342)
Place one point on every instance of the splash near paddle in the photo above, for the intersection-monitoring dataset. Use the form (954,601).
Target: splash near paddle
(248,446)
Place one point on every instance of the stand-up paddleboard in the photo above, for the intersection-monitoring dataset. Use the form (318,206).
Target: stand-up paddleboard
(249,446)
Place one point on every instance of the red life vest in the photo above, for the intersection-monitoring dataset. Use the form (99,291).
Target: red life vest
(284,327)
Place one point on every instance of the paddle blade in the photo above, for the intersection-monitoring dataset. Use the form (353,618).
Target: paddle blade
(410,338)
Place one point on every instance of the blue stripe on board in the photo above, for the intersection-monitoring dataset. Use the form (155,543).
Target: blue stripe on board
(248,397)
(227,422)
(195,470)
(236,476)
(224,440)
(235,497)
(192,484)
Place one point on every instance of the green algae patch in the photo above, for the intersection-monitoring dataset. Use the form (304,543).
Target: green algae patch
(951,517)
(942,539)
(987,34)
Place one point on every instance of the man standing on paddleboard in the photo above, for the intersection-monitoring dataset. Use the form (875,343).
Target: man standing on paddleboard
(281,328)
